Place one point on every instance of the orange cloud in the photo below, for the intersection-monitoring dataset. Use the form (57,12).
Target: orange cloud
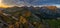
(3,5)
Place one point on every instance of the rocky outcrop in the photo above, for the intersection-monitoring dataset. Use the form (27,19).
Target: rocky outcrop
(51,7)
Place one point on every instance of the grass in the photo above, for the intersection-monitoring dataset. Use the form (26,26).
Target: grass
(53,23)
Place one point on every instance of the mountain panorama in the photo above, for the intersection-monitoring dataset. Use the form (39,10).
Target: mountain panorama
(22,16)
(29,13)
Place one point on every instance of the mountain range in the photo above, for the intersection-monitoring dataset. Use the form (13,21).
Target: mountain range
(28,15)
(45,11)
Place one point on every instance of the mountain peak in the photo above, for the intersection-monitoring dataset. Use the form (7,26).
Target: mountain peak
(51,7)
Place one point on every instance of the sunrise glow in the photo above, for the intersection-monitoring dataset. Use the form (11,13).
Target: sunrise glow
(3,5)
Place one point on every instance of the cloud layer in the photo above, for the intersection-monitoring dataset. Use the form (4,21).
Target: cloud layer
(14,2)
(30,2)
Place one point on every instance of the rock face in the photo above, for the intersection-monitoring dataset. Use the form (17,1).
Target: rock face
(47,12)
(51,7)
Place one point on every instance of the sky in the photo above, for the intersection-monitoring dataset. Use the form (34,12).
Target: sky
(29,2)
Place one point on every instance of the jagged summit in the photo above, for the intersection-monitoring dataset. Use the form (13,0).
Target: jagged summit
(50,7)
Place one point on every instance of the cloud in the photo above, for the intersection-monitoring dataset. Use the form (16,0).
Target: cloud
(19,2)
(14,2)
(29,2)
